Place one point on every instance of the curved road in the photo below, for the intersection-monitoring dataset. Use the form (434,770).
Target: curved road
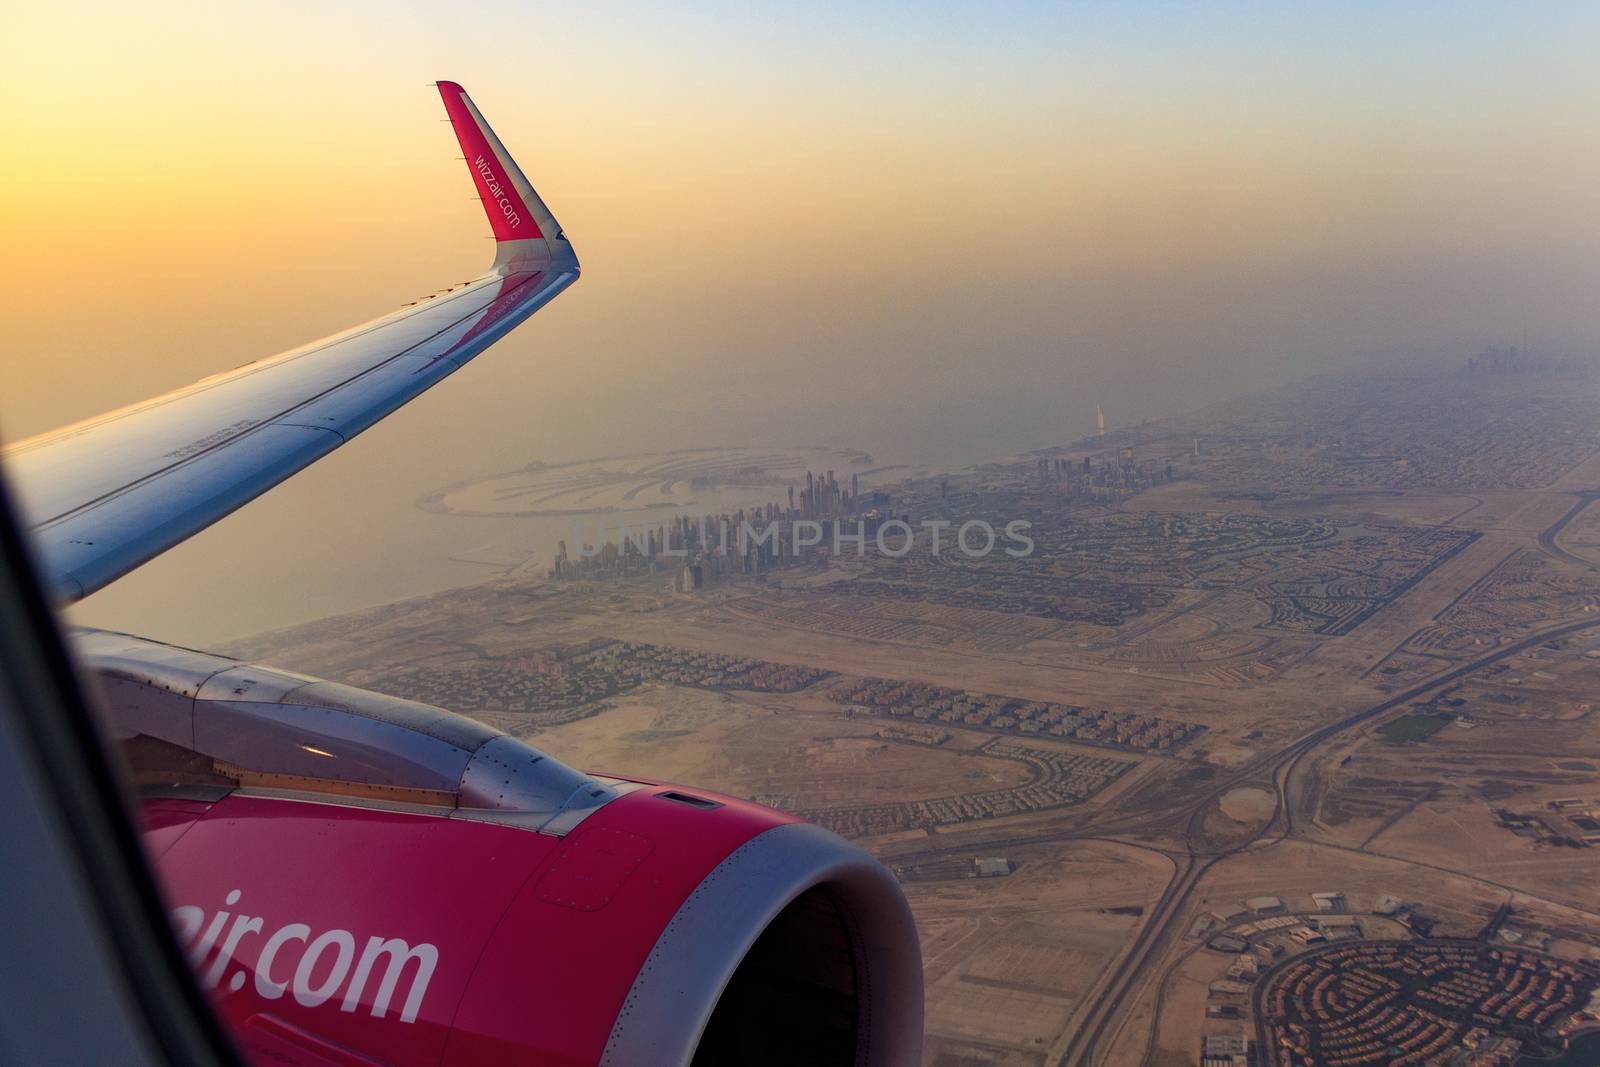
(1547,540)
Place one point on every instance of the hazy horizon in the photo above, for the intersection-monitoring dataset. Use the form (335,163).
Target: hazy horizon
(947,237)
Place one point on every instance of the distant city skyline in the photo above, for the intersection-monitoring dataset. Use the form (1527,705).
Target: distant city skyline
(958,226)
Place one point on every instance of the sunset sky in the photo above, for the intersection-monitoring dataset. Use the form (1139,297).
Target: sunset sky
(966,224)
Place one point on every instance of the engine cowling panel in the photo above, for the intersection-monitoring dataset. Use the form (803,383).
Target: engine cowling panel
(330,933)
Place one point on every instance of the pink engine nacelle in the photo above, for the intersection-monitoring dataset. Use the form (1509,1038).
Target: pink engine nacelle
(359,879)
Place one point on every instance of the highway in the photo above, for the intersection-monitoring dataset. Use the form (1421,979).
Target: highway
(1547,539)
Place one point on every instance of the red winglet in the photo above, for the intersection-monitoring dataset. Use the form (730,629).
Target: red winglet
(509,214)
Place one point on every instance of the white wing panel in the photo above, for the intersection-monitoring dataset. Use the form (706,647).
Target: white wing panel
(109,495)
(70,467)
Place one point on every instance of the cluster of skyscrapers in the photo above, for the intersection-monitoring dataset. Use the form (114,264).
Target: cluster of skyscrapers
(824,498)
(1085,477)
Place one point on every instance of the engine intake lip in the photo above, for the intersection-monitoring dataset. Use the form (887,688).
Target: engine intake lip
(672,999)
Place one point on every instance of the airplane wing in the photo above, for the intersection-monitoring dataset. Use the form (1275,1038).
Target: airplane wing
(110,493)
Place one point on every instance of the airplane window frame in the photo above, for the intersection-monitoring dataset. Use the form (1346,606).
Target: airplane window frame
(93,973)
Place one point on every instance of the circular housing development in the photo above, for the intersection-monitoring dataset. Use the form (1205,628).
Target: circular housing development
(1389,1004)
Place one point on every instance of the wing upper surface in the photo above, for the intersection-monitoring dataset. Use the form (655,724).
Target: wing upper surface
(112,492)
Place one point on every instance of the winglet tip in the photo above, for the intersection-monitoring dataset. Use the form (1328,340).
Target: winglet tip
(521,223)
